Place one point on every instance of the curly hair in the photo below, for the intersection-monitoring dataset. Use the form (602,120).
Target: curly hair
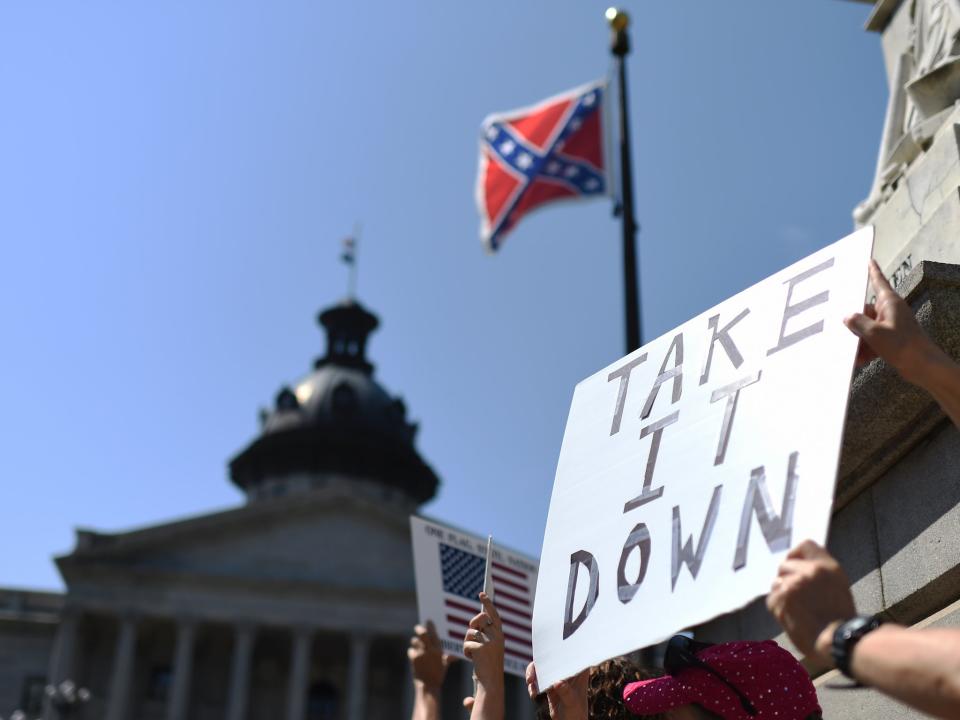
(605,692)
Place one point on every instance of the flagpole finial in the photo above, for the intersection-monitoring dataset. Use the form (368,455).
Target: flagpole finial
(619,22)
(618,19)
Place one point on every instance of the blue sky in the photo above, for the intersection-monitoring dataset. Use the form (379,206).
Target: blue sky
(176,179)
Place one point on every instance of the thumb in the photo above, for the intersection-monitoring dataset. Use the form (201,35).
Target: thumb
(859,324)
(448,660)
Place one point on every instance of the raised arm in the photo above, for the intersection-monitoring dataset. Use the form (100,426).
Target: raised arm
(483,644)
(811,598)
(429,666)
(888,329)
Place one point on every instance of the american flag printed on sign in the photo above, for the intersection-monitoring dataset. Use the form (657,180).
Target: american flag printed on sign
(462,576)
(533,156)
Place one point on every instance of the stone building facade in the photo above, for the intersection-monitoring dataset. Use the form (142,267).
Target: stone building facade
(28,626)
(896,511)
(299,604)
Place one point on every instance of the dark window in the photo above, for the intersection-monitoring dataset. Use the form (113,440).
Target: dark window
(286,400)
(344,400)
(161,678)
(323,702)
(31,694)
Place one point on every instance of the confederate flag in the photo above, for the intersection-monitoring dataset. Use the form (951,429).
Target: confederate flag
(529,157)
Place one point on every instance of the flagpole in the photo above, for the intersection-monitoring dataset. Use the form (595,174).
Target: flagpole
(620,48)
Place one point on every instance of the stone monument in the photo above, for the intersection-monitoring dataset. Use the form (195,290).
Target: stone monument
(914,201)
(896,517)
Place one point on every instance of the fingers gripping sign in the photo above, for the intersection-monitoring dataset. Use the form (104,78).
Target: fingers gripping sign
(888,329)
(483,643)
(567,699)
(533,689)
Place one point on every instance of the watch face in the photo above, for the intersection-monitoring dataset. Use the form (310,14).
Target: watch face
(846,638)
(859,626)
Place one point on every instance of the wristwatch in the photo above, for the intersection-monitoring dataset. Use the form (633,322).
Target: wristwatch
(846,637)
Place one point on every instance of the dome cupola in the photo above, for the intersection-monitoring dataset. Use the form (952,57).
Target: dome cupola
(337,424)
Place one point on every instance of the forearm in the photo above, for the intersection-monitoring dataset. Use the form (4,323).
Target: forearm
(918,667)
(488,703)
(426,702)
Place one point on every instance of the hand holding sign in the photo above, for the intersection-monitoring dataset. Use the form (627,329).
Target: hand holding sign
(488,592)
(483,643)
(811,592)
(890,330)
(567,699)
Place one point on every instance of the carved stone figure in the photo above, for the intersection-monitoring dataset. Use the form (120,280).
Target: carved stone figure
(936,26)
(936,79)
(925,86)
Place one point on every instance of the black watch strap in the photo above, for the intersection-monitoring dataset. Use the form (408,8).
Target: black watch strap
(846,637)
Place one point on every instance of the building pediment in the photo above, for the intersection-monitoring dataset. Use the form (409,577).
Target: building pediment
(332,539)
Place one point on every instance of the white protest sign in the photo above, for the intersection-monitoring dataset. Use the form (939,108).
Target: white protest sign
(450,568)
(689,467)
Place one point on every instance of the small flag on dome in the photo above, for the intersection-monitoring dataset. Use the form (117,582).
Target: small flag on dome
(551,151)
(349,250)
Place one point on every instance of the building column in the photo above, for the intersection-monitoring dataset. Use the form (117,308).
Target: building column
(299,674)
(466,681)
(524,705)
(121,676)
(243,639)
(357,678)
(64,654)
(182,670)
(407,702)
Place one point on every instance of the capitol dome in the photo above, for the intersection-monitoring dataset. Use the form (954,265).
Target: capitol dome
(337,421)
